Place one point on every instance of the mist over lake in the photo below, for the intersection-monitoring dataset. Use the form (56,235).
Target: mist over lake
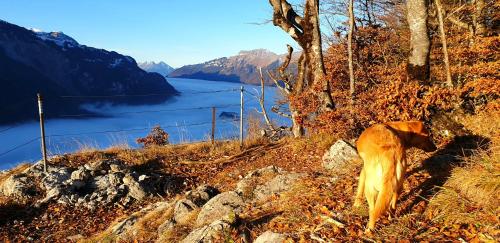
(186,118)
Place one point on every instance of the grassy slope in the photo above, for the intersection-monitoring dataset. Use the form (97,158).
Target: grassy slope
(450,194)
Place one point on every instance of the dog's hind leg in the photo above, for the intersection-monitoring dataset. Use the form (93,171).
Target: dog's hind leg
(371,197)
(361,189)
(383,201)
(392,210)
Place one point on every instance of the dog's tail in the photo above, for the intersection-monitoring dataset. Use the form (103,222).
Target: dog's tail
(389,184)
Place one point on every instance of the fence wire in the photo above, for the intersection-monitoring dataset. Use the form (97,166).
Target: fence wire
(10,107)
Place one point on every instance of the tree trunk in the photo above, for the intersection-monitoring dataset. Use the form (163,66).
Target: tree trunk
(306,32)
(297,128)
(439,7)
(349,48)
(478,18)
(418,62)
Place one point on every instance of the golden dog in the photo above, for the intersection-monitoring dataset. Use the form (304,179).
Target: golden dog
(382,148)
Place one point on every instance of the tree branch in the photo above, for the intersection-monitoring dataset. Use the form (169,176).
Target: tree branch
(287,19)
(287,89)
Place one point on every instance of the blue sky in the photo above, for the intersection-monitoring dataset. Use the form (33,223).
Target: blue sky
(178,32)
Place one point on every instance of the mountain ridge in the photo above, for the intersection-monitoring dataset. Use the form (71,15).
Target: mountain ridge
(55,64)
(156,67)
(240,68)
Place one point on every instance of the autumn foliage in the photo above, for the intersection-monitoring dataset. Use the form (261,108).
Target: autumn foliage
(157,137)
(383,91)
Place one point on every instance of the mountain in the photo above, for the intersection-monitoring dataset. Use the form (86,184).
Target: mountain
(153,67)
(241,68)
(56,65)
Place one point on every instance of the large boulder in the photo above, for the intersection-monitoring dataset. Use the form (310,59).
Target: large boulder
(270,237)
(223,206)
(339,154)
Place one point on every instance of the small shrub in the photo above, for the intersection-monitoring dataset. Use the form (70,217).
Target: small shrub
(157,137)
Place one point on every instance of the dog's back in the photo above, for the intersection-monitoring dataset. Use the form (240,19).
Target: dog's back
(383,154)
(382,148)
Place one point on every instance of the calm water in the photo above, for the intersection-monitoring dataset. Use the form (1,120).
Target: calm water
(125,124)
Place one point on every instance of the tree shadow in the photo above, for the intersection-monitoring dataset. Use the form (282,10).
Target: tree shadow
(440,165)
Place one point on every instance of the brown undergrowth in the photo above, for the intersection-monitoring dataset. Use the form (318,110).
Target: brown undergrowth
(450,194)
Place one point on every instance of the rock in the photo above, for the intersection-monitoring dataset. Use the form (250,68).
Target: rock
(143,178)
(96,166)
(127,226)
(117,167)
(18,187)
(211,233)
(81,174)
(270,237)
(52,194)
(277,185)
(182,211)
(135,190)
(263,183)
(201,194)
(219,207)
(166,226)
(339,154)
(56,176)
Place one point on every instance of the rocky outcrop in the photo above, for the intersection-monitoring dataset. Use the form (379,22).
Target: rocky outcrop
(339,154)
(97,184)
(209,214)
(224,205)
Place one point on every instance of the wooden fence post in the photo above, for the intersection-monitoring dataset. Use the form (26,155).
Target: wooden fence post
(213,125)
(42,131)
(241,117)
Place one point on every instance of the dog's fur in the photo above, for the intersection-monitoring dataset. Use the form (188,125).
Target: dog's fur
(382,148)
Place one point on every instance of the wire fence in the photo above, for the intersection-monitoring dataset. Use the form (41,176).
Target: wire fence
(85,100)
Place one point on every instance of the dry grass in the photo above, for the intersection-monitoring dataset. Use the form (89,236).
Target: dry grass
(146,228)
(320,141)
(486,124)
(180,231)
(472,193)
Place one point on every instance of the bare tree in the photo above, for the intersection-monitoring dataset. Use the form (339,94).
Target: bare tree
(261,98)
(418,62)
(444,44)
(289,87)
(305,30)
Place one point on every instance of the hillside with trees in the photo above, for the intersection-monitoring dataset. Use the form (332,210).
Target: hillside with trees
(362,62)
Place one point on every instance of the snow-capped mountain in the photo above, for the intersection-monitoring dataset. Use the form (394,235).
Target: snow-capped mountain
(154,67)
(55,64)
(59,38)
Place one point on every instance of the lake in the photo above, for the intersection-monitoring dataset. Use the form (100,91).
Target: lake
(186,118)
